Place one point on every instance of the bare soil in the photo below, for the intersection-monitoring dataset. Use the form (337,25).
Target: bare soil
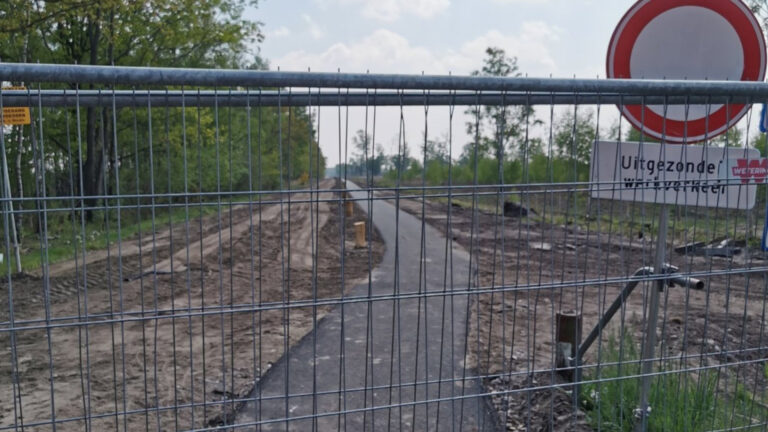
(512,331)
(172,328)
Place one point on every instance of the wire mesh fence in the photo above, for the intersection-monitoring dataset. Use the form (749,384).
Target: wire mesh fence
(215,250)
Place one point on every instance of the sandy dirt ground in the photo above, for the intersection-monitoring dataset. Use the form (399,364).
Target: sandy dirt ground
(511,339)
(189,317)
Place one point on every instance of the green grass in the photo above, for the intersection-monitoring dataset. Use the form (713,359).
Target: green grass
(64,239)
(679,401)
(601,216)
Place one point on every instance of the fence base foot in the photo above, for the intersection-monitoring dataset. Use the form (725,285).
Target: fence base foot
(569,325)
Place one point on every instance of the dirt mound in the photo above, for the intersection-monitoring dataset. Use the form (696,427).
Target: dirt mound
(179,329)
(536,410)
(511,330)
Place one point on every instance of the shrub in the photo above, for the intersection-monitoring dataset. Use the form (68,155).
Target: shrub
(680,401)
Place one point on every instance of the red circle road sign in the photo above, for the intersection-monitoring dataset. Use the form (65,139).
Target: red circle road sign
(687,39)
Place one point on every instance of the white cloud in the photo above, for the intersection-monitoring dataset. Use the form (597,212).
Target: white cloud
(385,51)
(392,10)
(314,28)
(322,4)
(520,1)
(279,32)
(382,50)
(530,46)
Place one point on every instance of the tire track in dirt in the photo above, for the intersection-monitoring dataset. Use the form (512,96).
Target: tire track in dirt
(512,332)
(189,338)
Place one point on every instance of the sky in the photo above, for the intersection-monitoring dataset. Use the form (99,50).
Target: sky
(559,38)
(564,38)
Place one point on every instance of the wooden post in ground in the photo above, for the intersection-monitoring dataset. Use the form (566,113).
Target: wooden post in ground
(360,235)
(568,340)
(349,206)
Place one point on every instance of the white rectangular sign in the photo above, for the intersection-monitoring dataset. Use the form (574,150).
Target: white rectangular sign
(675,174)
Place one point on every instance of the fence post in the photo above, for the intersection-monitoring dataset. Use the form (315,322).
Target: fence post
(8,195)
(569,327)
(569,331)
(649,344)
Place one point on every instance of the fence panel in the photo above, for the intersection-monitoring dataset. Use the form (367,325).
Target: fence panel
(215,250)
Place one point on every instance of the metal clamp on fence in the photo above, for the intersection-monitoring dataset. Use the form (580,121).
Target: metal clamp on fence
(570,349)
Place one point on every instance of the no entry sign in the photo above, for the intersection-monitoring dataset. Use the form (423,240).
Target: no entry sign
(687,39)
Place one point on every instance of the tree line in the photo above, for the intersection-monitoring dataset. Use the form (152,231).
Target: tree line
(507,144)
(95,151)
(502,145)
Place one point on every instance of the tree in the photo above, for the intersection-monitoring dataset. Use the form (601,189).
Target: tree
(436,150)
(367,158)
(732,138)
(402,160)
(760,143)
(574,135)
(188,33)
(177,33)
(760,9)
(361,157)
(499,127)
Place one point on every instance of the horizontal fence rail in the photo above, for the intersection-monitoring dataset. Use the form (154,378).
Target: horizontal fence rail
(256,98)
(144,76)
(255,250)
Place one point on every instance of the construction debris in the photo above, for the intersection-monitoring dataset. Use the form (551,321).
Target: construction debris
(720,249)
(541,246)
(512,209)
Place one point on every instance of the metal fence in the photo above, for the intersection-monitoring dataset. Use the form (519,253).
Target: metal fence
(180,253)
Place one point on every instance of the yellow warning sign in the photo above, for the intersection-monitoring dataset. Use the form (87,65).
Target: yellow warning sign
(16,115)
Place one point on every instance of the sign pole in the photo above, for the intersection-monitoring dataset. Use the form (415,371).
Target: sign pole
(649,344)
(7,193)
(681,39)
(12,116)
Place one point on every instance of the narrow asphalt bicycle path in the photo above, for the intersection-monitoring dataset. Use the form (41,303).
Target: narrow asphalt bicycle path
(398,353)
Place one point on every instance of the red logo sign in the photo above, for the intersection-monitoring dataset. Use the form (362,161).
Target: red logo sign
(747,169)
